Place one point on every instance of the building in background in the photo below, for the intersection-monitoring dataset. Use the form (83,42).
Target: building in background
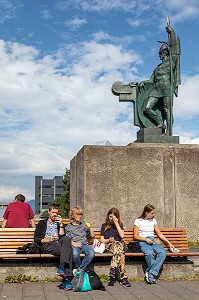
(46,190)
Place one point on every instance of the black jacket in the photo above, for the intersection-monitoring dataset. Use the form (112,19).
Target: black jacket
(40,231)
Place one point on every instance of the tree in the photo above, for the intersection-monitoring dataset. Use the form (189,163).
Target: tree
(64,200)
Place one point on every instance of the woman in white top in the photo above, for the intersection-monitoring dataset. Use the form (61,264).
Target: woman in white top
(144,228)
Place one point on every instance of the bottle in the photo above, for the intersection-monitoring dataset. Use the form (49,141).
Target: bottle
(88,224)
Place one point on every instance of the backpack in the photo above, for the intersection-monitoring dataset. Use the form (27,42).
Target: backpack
(95,281)
(30,248)
(134,247)
(81,283)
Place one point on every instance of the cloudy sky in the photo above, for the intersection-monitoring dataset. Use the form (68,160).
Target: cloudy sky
(58,61)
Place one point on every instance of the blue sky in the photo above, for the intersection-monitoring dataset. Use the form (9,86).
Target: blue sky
(59,59)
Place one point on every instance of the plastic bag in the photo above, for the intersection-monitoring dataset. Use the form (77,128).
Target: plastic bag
(98,246)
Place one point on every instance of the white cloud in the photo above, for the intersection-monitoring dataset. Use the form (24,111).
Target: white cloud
(186,106)
(75,22)
(143,11)
(8,192)
(50,106)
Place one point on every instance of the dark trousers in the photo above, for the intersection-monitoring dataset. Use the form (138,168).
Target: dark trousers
(63,249)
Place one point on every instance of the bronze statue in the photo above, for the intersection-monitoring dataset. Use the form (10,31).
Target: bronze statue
(153,98)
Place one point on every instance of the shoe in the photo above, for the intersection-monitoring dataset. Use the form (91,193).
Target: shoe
(111,283)
(154,279)
(74,271)
(67,285)
(61,272)
(125,282)
(112,272)
(149,278)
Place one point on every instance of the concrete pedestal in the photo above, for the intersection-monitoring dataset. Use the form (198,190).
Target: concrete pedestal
(129,177)
(155,135)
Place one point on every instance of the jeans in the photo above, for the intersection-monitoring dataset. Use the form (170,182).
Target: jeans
(154,263)
(89,255)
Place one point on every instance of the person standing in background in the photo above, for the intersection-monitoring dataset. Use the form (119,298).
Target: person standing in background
(18,214)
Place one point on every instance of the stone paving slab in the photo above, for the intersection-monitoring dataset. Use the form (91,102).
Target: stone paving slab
(164,290)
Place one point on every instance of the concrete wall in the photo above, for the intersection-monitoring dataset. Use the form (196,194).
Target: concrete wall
(129,177)
(134,270)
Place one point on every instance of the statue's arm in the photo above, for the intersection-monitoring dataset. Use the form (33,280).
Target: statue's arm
(172,40)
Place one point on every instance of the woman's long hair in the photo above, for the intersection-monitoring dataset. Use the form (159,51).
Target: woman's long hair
(148,208)
(116,213)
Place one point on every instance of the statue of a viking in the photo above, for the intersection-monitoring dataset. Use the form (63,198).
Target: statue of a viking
(157,93)
(153,98)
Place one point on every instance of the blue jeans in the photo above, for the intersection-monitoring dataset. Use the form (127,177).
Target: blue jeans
(89,255)
(154,263)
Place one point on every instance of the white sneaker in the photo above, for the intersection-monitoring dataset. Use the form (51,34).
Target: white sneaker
(147,277)
(74,271)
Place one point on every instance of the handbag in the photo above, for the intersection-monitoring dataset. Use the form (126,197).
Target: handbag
(98,246)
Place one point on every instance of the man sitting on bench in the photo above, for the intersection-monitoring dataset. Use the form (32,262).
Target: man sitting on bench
(50,234)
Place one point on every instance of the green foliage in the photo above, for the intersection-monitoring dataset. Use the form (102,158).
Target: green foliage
(20,278)
(64,200)
(104,278)
(47,279)
(44,213)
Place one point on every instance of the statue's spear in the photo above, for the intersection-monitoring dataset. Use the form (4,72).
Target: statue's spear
(171,80)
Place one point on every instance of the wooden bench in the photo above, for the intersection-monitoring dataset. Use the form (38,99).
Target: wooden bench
(12,238)
(177,236)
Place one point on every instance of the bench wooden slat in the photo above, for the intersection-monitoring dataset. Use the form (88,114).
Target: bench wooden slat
(12,238)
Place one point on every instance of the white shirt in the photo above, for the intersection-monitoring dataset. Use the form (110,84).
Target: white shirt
(145,227)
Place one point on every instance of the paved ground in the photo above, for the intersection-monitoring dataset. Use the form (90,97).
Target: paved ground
(168,290)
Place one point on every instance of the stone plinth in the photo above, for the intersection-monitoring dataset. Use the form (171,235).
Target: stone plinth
(155,135)
(129,177)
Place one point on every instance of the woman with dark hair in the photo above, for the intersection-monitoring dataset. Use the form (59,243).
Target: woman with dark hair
(112,234)
(144,228)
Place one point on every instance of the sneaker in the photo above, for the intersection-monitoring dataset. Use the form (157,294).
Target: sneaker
(149,278)
(125,282)
(61,272)
(111,281)
(67,285)
(74,271)
(154,279)
(112,272)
